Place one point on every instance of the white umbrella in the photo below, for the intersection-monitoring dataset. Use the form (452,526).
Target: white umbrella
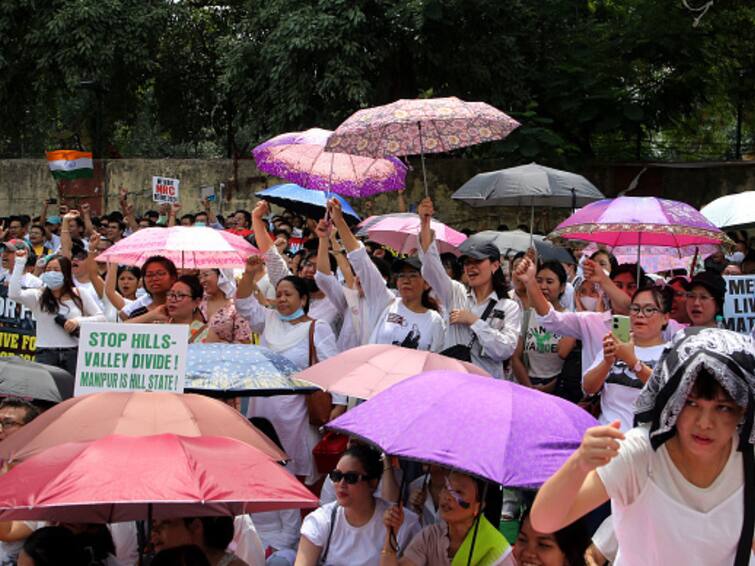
(732,212)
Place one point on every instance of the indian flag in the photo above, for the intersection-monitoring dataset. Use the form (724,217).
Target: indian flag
(70,164)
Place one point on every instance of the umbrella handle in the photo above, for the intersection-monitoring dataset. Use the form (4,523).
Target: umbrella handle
(393,535)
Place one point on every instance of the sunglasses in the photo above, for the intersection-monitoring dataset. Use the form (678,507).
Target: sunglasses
(351,478)
(456,495)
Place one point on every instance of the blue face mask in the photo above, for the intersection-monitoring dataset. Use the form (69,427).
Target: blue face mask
(52,279)
(200,224)
(293,316)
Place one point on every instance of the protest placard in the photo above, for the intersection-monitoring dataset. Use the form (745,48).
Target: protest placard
(131,357)
(208,193)
(18,329)
(739,303)
(165,189)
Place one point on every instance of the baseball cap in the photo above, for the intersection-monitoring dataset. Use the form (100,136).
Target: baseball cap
(410,261)
(14,245)
(482,251)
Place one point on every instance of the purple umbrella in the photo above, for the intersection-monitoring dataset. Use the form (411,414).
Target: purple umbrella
(491,428)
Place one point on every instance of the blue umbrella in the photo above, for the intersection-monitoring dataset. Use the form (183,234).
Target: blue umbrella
(306,202)
(240,370)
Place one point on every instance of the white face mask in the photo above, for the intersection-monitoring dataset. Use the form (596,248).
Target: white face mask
(589,303)
(736,257)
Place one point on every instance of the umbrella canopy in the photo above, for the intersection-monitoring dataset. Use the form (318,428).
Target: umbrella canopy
(732,212)
(126,478)
(655,259)
(636,221)
(367,370)
(134,413)
(30,380)
(414,127)
(305,202)
(491,428)
(528,185)
(515,241)
(400,232)
(233,370)
(189,247)
(300,157)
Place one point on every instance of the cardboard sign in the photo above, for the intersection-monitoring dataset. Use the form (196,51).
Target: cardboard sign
(165,189)
(18,329)
(739,303)
(208,193)
(131,357)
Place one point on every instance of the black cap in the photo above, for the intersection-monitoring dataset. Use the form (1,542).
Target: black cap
(482,251)
(711,280)
(409,261)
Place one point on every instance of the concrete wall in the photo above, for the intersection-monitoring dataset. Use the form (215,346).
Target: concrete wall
(26,183)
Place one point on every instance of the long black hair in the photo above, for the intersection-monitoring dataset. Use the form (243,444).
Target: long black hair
(48,303)
(301,286)
(500,284)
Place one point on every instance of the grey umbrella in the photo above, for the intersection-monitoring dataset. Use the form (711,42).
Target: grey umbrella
(513,241)
(22,378)
(528,185)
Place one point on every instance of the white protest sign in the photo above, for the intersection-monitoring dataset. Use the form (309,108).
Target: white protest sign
(739,303)
(165,189)
(131,357)
(208,193)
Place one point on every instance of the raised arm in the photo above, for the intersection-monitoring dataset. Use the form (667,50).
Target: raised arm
(27,297)
(94,275)
(343,263)
(323,250)
(86,215)
(173,211)
(619,299)
(111,292)
(347,236)
(264,241)
(66,244)
(526,273)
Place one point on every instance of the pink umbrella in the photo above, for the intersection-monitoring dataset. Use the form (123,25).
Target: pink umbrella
(416,127)
(189,247)
(399,232)
(655,259)
(300,157)
(640,221)
(367,370)
(126,478)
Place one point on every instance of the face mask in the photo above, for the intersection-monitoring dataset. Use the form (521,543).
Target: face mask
(590,303)
(293,316)
(52,279)
(736,257)
(200,224)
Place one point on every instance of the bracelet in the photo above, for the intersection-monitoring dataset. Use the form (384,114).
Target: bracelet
(637,368)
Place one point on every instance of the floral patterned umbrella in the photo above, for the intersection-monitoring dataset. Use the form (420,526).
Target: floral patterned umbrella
(301,158)
(416,127)
(240,370)
(655,259)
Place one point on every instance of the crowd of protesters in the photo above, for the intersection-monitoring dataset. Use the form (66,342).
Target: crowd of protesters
(317,290)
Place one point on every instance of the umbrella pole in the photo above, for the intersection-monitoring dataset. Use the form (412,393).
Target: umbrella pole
(694,263)
(422,158)
(399,503)
(637,279)
(532,224)
(477,524)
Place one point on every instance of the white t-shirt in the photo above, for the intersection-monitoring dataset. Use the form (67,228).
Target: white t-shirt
(354,546)
(541,348)
(403,327)
(622,386)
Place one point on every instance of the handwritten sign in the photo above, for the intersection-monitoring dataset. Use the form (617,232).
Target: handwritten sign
(165,189)
(739,303)
(131,357)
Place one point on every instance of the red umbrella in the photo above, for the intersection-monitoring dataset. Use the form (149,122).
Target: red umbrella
(135,413)
(126,478)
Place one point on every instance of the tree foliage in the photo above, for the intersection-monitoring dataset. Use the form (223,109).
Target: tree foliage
(598,79)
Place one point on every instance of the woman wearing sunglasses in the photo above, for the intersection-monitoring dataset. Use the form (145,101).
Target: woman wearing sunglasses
(350,531)
(449,542)
(622,368)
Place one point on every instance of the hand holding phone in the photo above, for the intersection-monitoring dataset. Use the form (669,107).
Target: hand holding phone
(620,328)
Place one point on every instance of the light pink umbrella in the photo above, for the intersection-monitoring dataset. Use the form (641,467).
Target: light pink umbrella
(655,259)
(300,157)
(189,247)
(400,232)
(367,370)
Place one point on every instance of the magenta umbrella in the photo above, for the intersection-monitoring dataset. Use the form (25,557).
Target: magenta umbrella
(188,247)
(301,158)
(399,232)
(419,126)
(494,429)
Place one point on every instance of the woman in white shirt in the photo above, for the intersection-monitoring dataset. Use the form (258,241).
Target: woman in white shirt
(59,308)
(286,330)
(410,320)
(350,531)
(681,483)
(622,368)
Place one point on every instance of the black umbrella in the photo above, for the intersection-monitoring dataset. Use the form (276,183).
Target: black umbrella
(30,380)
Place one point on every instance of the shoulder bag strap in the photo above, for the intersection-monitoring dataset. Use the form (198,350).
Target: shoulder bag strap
(312,350)
(324,555)
(485,315)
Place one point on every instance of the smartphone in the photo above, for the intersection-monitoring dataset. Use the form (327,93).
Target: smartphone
(620,328)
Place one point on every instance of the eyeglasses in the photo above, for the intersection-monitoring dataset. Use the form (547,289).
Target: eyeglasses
(695,297)
(350,478)
(408,275)
(10,423)
(171,296)
(647,310)
(155,274)
(456,495)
